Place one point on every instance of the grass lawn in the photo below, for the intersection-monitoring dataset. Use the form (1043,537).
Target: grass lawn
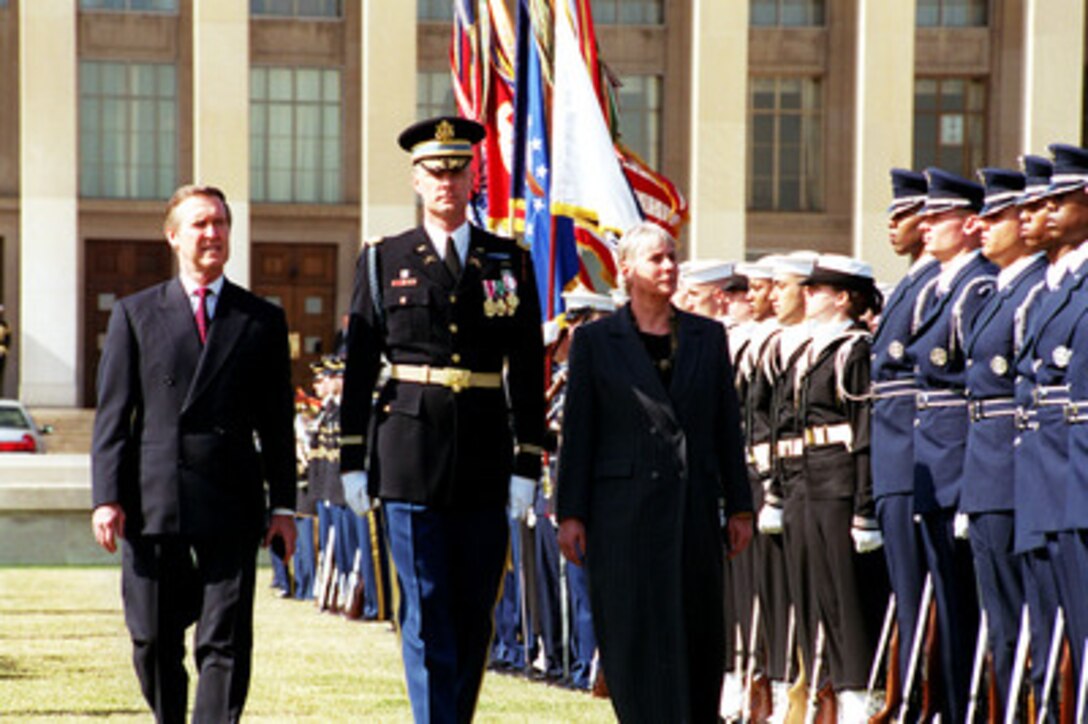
(65,655)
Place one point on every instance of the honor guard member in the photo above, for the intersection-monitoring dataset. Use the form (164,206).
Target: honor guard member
(783,510)
(701,284)
(894,390)
(1044,502)
(306,411)
(770,560)
(849,579)
(1073,539)
(458,427)
(986,493)
(944,312)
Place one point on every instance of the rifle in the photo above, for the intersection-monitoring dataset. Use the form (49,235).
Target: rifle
(916,647)
(325,583)
(881,648)
(758,691)
(978,667)
(892,685)
(1052,660)
(814,685)
(356,588)
(1082,688)
(1023,643)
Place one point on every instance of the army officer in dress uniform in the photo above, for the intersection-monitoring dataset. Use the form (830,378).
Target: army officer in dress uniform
(458,426)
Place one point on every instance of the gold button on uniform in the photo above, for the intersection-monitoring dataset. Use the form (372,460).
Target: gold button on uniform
(453,327)
(455,358)
(453,299)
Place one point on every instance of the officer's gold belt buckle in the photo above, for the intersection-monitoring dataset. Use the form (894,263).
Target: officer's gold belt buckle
(455,378)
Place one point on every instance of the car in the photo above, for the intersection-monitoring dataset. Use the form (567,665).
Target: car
(18,431)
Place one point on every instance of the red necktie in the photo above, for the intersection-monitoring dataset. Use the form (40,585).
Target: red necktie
(202,313)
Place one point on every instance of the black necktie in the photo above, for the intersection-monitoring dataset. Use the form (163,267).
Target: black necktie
(453,261)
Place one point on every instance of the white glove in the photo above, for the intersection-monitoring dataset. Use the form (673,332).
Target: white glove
(866,540)
(522,492)
(355,491)
(770,520)
(960,524)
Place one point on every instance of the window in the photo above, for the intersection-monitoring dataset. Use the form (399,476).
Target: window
(627,12)
(434,10)
(295,134)
(786,13)
(154,6)
(127,130)
(434,94)
(952,13)
(296,8)
(640,116)
(949,124)
(785,144)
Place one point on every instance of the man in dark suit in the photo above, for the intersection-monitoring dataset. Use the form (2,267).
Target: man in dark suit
(458,428)
(193,418)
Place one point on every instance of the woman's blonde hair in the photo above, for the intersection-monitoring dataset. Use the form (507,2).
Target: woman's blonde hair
(635,240)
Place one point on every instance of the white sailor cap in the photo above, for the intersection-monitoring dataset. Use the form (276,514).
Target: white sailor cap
(581,298)
(755,269)
(796,263)
(842,271)
(705,271)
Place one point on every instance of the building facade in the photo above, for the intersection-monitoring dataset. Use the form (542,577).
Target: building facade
(778,119)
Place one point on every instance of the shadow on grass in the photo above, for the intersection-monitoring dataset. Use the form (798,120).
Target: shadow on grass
(81,713)
(10,668)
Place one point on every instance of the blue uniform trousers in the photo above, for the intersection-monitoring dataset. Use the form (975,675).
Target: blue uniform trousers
(281,577)
(304,557)
(954,590)
(1041,594)
(1001,589)
(508,648)
(583,640)
(1071,568)
(906,561)
(547,591)
(449,566)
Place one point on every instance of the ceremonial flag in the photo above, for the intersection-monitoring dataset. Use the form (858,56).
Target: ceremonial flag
(555,258)
(588,184)
(658,198)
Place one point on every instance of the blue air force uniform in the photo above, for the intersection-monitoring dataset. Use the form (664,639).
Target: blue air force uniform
(986,493)
(892,436)
(944,313)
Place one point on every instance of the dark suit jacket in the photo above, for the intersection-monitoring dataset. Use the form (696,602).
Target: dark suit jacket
(429,444)
(647,469)
(177,428)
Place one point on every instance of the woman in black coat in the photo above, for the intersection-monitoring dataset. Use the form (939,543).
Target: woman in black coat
(651,461)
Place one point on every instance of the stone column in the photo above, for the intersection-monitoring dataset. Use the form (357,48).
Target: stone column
(884,122)
(388,105)
(719,116)
(1053,73)
(221,114)
(47,328)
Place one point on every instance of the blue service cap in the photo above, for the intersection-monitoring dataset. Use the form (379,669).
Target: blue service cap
(1003,189)
(442,143)
(947,191)
(1037,170)
(1070,168)
(908,189)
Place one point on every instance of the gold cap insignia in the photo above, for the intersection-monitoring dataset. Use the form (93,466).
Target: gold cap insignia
(999,365)
(443,131)
(938,356)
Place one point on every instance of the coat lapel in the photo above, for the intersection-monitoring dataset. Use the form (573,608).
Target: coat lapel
(225,330)
(646,383)
(689,338)
(428,260)
(175,316)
